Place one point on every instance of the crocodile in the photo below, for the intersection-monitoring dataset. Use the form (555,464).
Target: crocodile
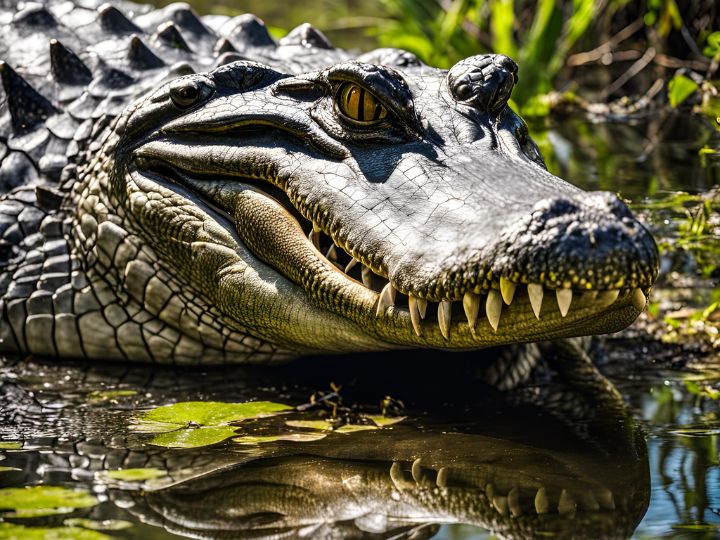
(188,190)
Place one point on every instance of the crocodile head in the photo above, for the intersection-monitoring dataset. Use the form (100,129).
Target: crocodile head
(366,206)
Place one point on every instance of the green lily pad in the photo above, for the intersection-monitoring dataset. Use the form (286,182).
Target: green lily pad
(193,438)
(352,428)
(34,501)
(136,475)
(5,469)
(105,525)
(382,421)
(10,445)
(324,425)
(10,531)
(213,413)
(293,437)
(107,395)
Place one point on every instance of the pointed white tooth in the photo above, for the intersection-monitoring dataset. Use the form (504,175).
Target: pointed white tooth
(386,299)
(422,307)
(493,308)
(564,298)
(415,314)
(606,298)
(639,299)
(442,477)
(566,504)
(588,501)
(366,275)
(471,305)
(331,254)
(542,504)
(507,289)
(535,292)
(350,265)
(444,317)
(590,295)
(605,498)
(513,499)
(501,504)
(314,237)
(416,470)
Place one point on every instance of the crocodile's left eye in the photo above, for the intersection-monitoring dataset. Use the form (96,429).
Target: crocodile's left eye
(359,104)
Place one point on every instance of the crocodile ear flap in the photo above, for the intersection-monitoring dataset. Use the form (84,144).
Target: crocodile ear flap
(484,81)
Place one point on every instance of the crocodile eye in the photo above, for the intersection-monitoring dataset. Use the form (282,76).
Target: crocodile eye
(360,105)
(184,92)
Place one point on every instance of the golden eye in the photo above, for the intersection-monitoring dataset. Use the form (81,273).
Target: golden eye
(360,105)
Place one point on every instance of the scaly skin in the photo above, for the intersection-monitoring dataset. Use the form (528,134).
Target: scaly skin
(255,212)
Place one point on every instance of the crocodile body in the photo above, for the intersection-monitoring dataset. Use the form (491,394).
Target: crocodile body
(187,190)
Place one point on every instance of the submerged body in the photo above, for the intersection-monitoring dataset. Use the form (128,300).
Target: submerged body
(186,190)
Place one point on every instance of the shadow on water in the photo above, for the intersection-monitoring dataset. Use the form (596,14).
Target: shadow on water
(521,464)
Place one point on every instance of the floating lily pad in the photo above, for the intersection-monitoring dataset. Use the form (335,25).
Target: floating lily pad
(294,437)
(192,424)
(35,501)
(104,525)
(108,395)
(213,413)
(383,421)
(324,425)
(194,438)
(136,475)
(10,445)
(5,469)
(10,531)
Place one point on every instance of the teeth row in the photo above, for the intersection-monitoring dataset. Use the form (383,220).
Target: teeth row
(512,503)
(496,298)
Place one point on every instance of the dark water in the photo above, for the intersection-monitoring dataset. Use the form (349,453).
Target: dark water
(643,463)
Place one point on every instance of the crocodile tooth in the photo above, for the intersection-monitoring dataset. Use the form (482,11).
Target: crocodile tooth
(589,502)
(535,292)
(66,66)
(471,305)
(564,298)
(27,106)
(366,275)
(422,307)
(141,57)
(493,308)
(387,299)
(501,504)
(490,491)
(605,498)
(112,20)
(397,477)
(350,265)
(444,317)
(414,314)
(416,470)
(314,238)
(168,34)
(542,504)
(331,254)
(507,289)
(638,299)
(442,477)
(513,500)
(590,295)
(606,298)
(316,228)
(566,504)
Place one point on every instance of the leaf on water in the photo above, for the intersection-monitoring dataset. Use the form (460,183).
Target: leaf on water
(193,438)
(294,437)
(108,395)
(322,425)
(104,525)
(383,421)
(680,88)
(10,445)
(5,469)
(10,531)
(31,501)
(136,475)
(213,413)
(352,428)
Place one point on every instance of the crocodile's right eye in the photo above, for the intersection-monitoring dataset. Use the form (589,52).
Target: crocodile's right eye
(186,92)
(359,104)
